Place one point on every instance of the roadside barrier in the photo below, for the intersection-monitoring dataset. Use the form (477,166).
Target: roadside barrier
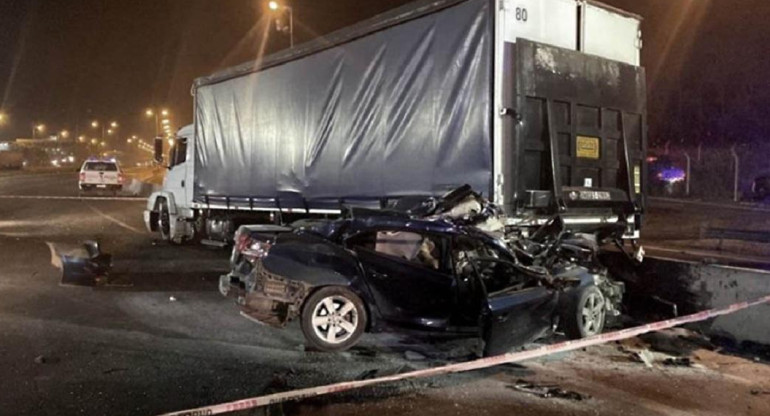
(513,357)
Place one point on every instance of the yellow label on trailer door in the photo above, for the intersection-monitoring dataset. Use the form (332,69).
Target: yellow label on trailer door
(587,147)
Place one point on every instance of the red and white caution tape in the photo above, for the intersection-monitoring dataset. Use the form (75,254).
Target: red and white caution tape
(513,357)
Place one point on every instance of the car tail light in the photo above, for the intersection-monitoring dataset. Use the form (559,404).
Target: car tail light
(241,241)
(120,178)
(257,249)
(82,176)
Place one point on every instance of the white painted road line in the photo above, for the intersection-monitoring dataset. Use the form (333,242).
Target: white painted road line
(467,366)
(75,198)
(115,220)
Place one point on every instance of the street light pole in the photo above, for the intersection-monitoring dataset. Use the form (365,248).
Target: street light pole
(113,125)
(291,25)
(273,5)
(154,112)
(36,128)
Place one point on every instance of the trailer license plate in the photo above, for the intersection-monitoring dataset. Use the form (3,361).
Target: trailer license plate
(587,147)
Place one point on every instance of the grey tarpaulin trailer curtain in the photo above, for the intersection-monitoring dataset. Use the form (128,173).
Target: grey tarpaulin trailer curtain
(401,111)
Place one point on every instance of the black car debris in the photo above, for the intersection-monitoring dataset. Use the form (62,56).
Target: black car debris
(432,270)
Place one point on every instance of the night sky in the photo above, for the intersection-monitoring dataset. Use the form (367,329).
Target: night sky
(66,62)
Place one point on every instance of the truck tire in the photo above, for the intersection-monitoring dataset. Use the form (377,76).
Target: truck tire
(333,319)
(164,220)
(584,313)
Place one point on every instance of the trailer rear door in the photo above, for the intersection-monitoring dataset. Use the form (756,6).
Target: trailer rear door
(578,131)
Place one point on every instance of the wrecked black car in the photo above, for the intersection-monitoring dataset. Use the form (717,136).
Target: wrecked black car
(390,271)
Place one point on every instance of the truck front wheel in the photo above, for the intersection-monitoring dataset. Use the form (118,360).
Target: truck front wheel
(164,220)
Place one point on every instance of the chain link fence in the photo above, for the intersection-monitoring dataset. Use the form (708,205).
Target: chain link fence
(708,173)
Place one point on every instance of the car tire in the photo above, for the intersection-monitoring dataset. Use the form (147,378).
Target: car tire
(338,330)
(584,313)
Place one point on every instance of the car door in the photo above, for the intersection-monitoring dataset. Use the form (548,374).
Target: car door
(515,310)
(408,288)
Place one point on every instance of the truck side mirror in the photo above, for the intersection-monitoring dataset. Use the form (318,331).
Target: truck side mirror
(158,150)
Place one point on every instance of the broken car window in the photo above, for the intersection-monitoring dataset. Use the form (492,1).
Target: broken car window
(473,257)
(413,247)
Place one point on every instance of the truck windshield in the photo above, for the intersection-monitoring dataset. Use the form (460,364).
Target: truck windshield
(178,153)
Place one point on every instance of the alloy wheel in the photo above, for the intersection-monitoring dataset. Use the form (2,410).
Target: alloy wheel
(335,319)
(592,313)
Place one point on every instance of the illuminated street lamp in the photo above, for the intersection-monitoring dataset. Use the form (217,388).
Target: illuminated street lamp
(81,139)
(113,124)
(276,7)
(64,134)
(3,117)
(94,141)
(39,128)
(154,113)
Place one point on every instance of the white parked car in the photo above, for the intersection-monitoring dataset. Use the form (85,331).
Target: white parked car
(98,174)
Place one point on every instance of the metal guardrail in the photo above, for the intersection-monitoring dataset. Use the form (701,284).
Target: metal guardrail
(731,234)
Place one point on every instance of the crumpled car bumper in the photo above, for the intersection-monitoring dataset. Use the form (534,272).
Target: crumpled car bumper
(264,296)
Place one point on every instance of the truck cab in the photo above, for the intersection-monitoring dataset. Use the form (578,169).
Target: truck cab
(169,209)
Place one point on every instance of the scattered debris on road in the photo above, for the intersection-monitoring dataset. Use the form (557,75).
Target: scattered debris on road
(678,362)
(42,359)
(114,370)
(547,391)
(413,356)
(86,268)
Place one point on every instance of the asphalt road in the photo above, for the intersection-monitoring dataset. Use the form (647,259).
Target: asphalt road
(129,349)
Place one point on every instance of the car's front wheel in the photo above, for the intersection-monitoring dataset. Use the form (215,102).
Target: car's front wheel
(585,313)
(333,319)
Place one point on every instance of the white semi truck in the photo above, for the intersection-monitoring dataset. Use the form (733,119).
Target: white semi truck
(538,104)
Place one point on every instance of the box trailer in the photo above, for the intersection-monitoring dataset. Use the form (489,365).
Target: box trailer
(537,104)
